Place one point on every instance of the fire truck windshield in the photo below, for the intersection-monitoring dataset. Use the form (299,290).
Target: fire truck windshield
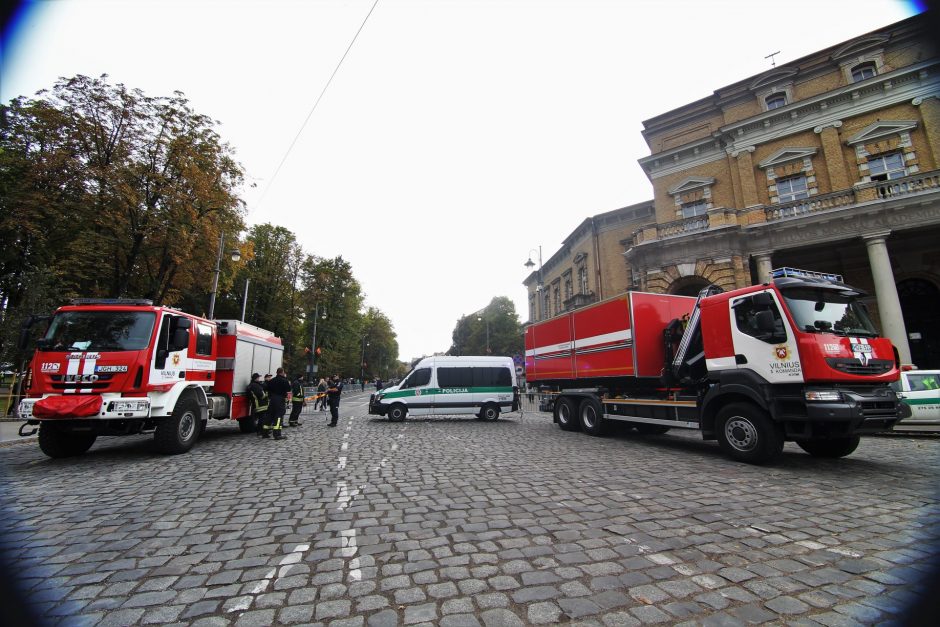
(828,311)
(99,331)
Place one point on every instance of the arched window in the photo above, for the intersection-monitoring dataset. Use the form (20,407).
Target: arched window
(863,71)
(775,100)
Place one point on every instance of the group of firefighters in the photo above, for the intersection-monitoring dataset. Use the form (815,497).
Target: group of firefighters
(269,398)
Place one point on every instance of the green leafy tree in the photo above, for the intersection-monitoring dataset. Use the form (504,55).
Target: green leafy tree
(494,330)
(107,192)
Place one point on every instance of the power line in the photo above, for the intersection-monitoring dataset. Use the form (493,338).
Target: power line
(314,107)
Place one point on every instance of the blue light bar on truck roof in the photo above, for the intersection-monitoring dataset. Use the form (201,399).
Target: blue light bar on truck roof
(805,274)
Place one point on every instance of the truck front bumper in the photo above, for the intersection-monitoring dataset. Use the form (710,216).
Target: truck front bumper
(859,412)
(113,407)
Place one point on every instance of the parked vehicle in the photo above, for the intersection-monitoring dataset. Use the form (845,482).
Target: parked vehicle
(123,367)
(793,359)
(436,386)
(920,390)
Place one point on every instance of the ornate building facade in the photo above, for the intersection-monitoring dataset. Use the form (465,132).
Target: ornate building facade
(829,163)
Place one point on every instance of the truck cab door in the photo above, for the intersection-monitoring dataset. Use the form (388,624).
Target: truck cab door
(763,340)
(170,356)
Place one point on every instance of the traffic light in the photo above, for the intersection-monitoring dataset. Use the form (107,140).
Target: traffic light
(319,351)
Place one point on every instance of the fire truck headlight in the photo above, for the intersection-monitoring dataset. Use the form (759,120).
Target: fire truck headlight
(823,395)
(124,406)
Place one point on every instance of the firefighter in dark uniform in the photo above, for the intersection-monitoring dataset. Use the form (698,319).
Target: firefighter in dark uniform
(333,393)
(296,400)
(259,401)
(278,391)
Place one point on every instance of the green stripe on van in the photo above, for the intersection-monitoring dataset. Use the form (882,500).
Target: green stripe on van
(445,391)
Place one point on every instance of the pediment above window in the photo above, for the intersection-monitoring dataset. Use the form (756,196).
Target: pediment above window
(692,183)
(859,46)
(786,154)
(773,77)
(882,129)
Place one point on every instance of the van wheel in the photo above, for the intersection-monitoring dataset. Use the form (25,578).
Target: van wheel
(565,415)
(178,432)
(397,413)
(592,417)
(57,442)
(490,412)
(836,447)
(746,433)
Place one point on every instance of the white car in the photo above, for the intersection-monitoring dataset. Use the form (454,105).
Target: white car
(920,389)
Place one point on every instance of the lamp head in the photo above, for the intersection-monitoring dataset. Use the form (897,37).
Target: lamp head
(529,263)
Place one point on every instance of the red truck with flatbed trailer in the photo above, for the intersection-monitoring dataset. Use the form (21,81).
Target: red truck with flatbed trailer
(794,359)
(127,366)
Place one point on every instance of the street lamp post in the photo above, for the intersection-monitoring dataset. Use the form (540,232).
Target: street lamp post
(313,345)
(362,360)
(538,288)
(486,320)
(236,255)
(245,300)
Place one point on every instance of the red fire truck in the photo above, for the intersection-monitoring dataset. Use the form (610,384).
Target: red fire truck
(123,367)
(794,359)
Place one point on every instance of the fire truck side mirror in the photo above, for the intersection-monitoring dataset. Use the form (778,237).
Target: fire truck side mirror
(26,332)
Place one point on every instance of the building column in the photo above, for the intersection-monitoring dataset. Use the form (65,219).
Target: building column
(832,149)
(746,173)
(764,267)
(886,293)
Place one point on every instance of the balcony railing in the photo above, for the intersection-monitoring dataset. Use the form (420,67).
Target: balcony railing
(920,182)
(682,227)
(810,205)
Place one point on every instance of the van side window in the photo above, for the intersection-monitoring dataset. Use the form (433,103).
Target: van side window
(419,377)
(491,377)
(759,317)
(455,377)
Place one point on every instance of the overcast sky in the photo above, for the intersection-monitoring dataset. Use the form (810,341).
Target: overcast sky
(456,137)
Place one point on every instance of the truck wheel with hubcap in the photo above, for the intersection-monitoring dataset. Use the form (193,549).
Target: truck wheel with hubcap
(57,442)
(490,412)
(835,447)
(565,414)
(397,413)
(747,434)
(178,432)
(591,413)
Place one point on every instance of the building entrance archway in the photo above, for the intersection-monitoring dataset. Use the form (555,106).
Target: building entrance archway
(688,286)
(920,302)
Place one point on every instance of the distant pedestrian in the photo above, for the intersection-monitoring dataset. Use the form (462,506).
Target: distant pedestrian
(297,402)
(278,389)
(320,403)
(333,392)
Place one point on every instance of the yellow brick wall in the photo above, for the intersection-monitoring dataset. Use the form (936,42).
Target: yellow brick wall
(676,136)
(722,191)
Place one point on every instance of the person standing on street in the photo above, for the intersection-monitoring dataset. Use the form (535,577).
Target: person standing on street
(278,390)
(320,403)
(333,393)
(259,401)
(296,400)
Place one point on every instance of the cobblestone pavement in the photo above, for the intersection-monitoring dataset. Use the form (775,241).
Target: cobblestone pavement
(460,522)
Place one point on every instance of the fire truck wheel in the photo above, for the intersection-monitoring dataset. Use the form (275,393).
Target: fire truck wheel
(247,424)
(746,433)
(490,412)
(179,432)
(566,415)
(57,442)
(592,417)
(397,412)
(836,447)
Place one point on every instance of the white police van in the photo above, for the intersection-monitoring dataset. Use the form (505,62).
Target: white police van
(484,386)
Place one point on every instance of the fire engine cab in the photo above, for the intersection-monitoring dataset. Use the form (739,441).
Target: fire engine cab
(126,366)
